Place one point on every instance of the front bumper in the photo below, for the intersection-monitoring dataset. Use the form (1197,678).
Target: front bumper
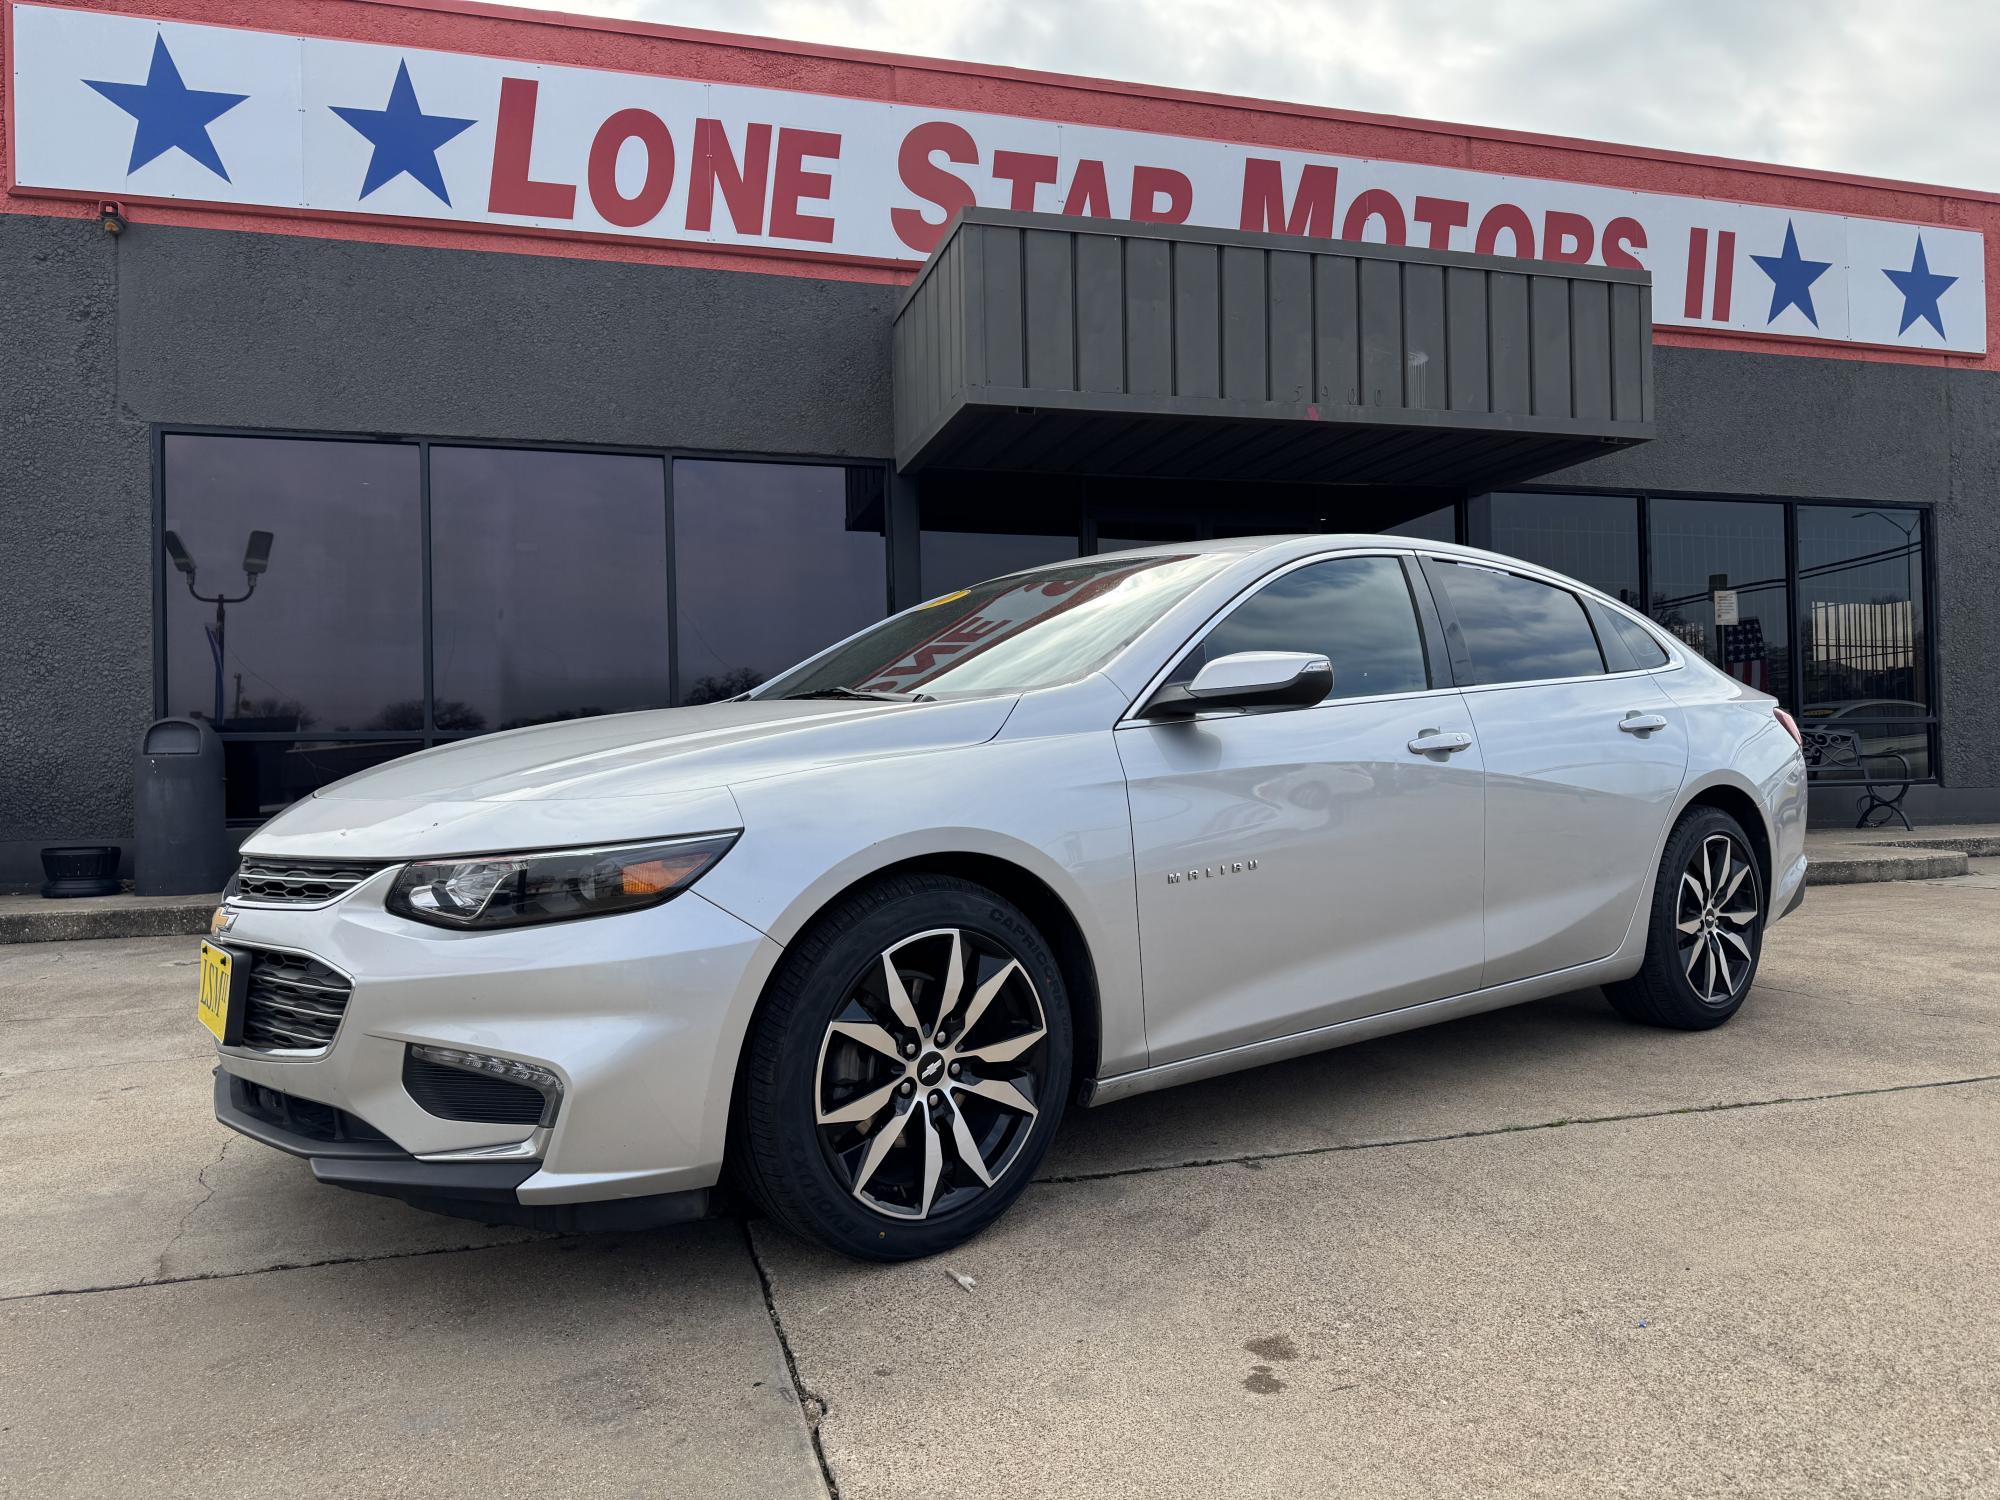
(641,1015)
(484,1190)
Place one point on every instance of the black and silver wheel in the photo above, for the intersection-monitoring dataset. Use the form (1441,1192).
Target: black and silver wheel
(1707,928)
(906,1070)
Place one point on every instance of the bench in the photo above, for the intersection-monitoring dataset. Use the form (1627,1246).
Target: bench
(1839,751)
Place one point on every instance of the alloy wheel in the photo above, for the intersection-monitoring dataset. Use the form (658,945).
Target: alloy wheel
(1715,918)
(930,1073)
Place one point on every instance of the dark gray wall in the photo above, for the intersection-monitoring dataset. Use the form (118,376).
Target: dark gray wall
(101,338)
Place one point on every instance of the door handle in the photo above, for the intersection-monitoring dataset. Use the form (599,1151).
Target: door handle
(1638,723)
(1438,742)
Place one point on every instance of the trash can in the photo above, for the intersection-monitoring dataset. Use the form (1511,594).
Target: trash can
(181,845)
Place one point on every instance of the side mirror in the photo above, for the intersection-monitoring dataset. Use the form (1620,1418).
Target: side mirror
(1248,679)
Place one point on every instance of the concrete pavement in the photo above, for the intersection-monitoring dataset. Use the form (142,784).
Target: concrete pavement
(1419,1266)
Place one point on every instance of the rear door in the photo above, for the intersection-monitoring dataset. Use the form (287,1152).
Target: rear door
(1304,866)
(1584,756)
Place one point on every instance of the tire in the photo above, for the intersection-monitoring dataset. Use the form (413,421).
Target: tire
(1701,952)
(860,1127)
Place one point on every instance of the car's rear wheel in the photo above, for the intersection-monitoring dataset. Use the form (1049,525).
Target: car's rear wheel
(1707,928)
(906,1070)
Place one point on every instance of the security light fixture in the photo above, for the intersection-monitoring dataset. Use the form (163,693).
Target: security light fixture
(257,556)
(180,556)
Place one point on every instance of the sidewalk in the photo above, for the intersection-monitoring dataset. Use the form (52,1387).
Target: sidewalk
(1860,856)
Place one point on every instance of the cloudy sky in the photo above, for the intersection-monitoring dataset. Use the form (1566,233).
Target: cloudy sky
(1892,88)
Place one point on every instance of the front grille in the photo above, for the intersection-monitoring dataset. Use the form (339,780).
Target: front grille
(305,1117)
(298,882)
(292,1001)
(457,1094)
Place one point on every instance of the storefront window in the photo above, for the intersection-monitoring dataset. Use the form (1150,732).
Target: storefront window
(262,777)
(330,639)
(548,586)
(1592,538)
(772,562)
(1862,641)
(1718,585)
(969,538)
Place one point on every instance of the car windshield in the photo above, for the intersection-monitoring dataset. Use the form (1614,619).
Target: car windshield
(1012,634)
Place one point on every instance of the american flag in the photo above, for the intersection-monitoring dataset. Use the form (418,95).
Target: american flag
(1743,654)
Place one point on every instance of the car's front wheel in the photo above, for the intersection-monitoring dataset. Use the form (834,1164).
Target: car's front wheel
(1707,928)
(906,1070)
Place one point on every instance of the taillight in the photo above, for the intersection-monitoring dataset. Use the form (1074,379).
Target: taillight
(1791,726)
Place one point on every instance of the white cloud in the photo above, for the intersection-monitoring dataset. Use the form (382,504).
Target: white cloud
(1886,89)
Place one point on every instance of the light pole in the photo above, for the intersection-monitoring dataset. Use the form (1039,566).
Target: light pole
(256,558)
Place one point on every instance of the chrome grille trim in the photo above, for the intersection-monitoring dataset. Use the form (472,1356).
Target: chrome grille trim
(299,882)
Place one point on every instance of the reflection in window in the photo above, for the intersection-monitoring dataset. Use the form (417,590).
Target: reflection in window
(1647,653)
(772,562)
(1727,555)
(1519,629)
(331,639)
(263,777)
(1356,611)
(1861,612)
(549,586)
(1035,630)
(1591,538)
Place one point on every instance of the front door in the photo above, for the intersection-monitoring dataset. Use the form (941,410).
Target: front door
(1582,768)
(1306,866)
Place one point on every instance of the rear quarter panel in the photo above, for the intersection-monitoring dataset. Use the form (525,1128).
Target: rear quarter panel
(1735,739)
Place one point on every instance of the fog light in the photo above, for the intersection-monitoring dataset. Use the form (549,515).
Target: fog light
(543,1080)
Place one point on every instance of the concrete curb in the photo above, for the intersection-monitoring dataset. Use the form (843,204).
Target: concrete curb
(1869,864)
(30,919)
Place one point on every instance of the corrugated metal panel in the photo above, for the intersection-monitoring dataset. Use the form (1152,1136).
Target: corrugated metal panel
(1039,342)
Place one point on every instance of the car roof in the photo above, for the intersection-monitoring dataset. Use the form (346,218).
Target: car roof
(1305,543)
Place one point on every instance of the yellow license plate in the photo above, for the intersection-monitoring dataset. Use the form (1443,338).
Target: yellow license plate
(213,1005)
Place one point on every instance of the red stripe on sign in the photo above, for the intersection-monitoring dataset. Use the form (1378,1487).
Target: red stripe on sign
(1725,272)
(1697,276)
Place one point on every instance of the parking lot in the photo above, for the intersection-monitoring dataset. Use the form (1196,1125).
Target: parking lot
(1540,1252)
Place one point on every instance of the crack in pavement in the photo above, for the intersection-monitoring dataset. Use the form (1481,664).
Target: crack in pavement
(208,1191)
(148,1284)
(812,1405)
(815,1405)
(1259,1157)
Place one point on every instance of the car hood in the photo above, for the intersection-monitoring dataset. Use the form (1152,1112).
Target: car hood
(619,777)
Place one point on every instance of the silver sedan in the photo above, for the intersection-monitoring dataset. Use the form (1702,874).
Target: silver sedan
(855,940)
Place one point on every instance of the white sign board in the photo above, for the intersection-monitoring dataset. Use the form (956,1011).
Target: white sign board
(1725,607)
(124,107)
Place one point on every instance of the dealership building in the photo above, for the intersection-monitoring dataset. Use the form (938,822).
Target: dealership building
(384,372)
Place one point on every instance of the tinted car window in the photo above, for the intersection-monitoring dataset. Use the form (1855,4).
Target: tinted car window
(1355,610)
(1519,630)
(1646,651)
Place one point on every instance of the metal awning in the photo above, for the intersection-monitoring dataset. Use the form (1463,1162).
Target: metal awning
(1051,344)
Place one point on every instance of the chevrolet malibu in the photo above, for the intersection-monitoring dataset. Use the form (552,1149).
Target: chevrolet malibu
(856,939)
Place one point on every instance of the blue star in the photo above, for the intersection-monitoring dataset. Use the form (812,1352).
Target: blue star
(170,114)
(405,138)
(1921,288)
(1792,276)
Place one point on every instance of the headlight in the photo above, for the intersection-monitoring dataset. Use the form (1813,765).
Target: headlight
(518,889)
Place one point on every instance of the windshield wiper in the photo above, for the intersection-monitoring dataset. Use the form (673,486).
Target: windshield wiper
(879,696)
